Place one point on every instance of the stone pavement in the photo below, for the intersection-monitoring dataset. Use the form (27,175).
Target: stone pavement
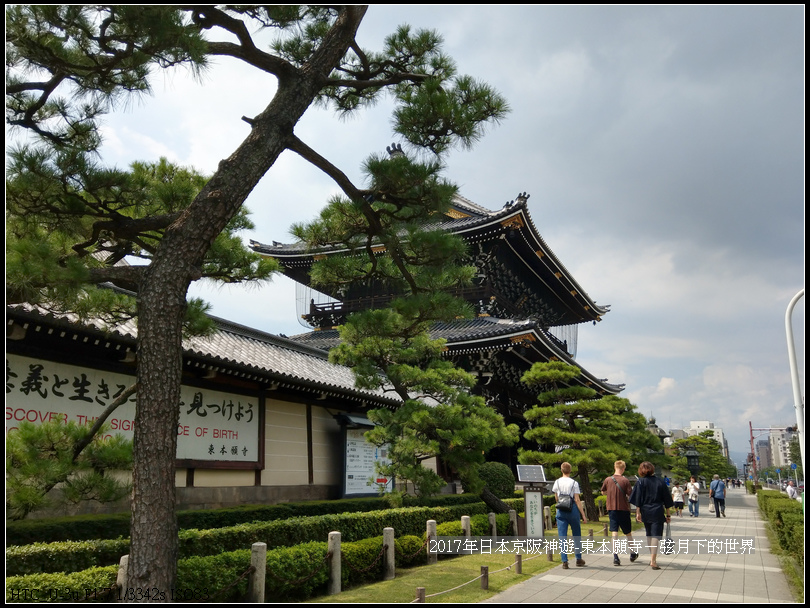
(683,577)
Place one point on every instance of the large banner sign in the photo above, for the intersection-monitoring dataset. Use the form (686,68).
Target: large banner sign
(361,473)
(214,426)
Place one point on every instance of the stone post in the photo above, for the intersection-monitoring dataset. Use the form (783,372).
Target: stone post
(333,547)
(389,558)
(432,558)
(465,526)
(258,559)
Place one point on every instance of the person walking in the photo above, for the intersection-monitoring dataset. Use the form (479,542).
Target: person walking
(717,491)
(616,488)
(693,495)
(653,502)
(677,498)
(791,491)
(565,486)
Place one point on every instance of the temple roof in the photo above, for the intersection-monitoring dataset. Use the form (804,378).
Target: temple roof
(488,334)
(234,350)
(519,245)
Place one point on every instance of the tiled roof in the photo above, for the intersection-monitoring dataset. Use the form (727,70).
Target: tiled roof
(478,216)
(236,347)
(480,328)
(475,334)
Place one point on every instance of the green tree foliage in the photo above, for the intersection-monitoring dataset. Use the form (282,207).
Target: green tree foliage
(499,478)
(795,455)
(73,227)
(391,348)
(67,65)
(571,424)
(40,457)
(710,456)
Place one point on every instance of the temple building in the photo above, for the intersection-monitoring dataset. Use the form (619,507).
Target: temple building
(528,305)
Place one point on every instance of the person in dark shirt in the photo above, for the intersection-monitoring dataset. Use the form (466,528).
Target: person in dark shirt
(653,501)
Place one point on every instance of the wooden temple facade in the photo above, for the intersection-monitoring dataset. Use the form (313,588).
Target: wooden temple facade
(527,304)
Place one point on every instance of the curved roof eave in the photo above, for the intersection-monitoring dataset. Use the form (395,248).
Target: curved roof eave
(237,351)
(514,215)
(529,333)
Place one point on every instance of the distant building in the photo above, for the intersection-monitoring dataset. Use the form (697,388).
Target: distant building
(696,427)
(763,453)
(674,435)
(779,443)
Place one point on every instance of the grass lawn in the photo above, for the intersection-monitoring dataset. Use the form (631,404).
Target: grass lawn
(454,579)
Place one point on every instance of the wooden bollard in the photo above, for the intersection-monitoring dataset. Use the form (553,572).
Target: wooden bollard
(605,529)
(590,532)
(519,563)
(513,522)
(484,577)
(549,554)
(420,595)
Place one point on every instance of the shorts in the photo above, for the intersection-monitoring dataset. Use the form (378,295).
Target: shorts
(619,520)
(678,505)
(654,529)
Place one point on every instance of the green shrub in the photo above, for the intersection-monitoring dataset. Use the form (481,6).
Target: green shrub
(499,478)
(67,556)
(74,556)
(58,586)
(89,527)
(293,573)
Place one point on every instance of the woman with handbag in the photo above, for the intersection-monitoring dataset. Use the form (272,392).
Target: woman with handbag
(653,502)
(569,511)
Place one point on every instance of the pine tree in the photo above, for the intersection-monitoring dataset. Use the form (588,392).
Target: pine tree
(572,424)
(66,65)
(710,456)
(40,457)
(391,241)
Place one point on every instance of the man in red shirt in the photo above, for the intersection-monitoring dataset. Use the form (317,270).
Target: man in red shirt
(616,489)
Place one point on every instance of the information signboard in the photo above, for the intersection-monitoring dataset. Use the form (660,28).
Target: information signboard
(361,477)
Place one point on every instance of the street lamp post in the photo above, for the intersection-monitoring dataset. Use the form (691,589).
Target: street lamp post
(798,402)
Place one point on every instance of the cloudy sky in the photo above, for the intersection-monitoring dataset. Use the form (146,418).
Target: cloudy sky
(663,149)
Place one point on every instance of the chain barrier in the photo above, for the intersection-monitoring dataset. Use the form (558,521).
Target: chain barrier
(305,578)
(364,570)
(245,574)
(412,555)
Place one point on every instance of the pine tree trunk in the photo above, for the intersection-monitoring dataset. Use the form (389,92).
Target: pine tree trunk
(591,509)
(161,306)
(153,547)
(495,504)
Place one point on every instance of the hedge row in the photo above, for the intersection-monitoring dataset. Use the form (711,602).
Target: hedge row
(71,556)
(786,520)
(89,527)
(293,574)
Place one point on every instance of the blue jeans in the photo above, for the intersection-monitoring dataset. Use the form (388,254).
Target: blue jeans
(694,507)
(563,521)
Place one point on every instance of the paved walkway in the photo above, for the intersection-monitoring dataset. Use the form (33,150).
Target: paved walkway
(694,578)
